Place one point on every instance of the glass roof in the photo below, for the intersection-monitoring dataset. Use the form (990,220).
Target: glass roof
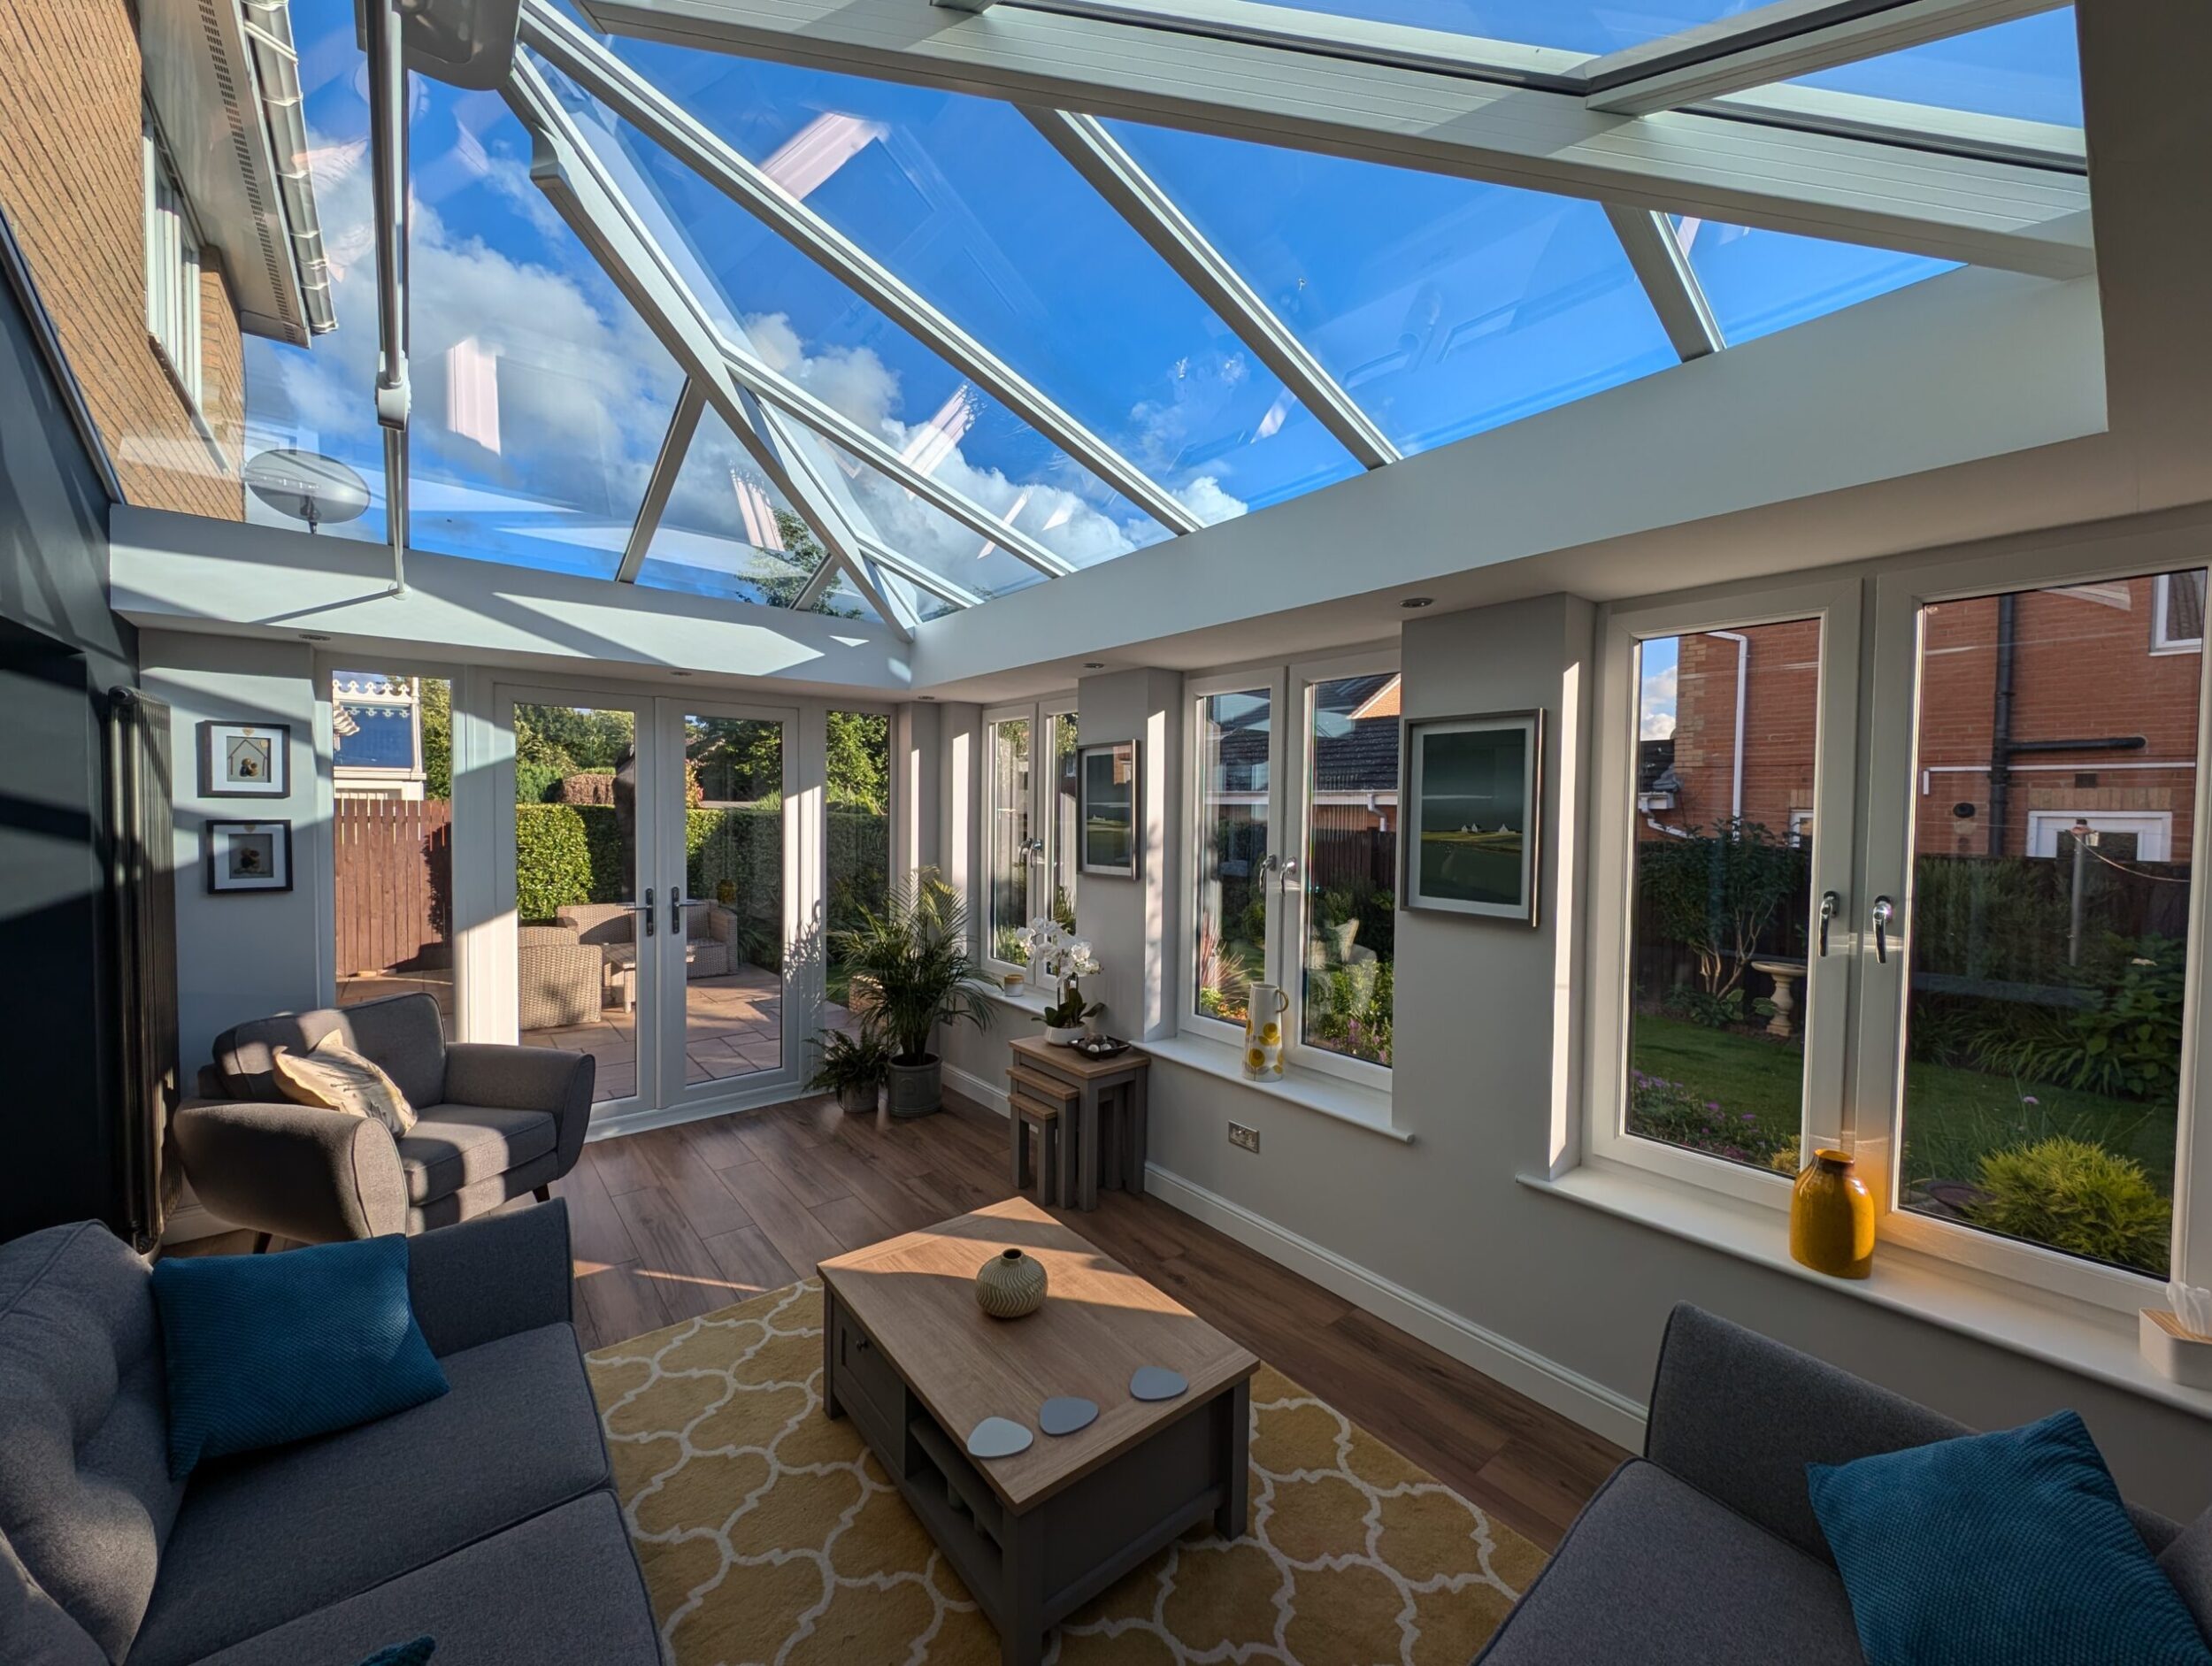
(1432,306)
(2028,70)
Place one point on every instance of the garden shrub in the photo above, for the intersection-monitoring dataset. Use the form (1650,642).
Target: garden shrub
(552,859)
(1663,1109)
(2075,1196)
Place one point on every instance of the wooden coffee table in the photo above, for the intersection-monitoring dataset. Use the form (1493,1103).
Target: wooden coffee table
(910,1356)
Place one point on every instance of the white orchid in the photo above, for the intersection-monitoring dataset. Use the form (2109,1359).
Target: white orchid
(1040,938)
(1077,960)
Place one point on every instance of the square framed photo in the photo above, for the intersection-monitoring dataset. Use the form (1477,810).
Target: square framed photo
(1474,810)
(245,760)
(248,856)
(1107,808)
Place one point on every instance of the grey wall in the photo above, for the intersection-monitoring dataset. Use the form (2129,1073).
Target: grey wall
(241,956)
(1484,1066)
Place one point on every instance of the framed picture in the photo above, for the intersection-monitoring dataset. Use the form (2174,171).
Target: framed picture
(245,760)
(248,856)
(1106,788)
(1474,809)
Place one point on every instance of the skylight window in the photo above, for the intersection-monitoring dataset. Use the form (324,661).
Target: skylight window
(2026,70)
(1761,281)
(1579,26)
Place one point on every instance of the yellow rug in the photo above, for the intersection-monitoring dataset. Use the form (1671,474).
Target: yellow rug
(769,1533)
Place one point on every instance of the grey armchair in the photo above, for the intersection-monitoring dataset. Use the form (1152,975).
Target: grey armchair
(492,1123)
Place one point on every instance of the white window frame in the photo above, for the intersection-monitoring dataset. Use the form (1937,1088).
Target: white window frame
(174,324)
(2161,590)
(2153,830)
(1822,1000)
(1290,819)
(1041,716)
(1870,793)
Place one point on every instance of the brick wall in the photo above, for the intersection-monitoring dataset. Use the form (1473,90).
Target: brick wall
(71,183)
(2083,669)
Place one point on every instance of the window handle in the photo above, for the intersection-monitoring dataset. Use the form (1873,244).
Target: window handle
(676,911)
(1290,874)
(1885,911)
(1830,905)
(647,910)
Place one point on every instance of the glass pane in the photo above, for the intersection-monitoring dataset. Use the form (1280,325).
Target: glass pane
(733,887)
(1577,25)
(1351,879)
(858,864)
(1066,850)
(946,190)
(392,835)
(2052,841)
(1445,306)
(576,865)
(2028,69)
(1007,838)
(1728,727)
(1762,281)
(1234,786)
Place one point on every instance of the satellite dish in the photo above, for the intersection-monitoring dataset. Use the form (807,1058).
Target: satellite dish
(308,486)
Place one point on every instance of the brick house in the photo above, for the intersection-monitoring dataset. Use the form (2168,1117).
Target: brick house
(154,185)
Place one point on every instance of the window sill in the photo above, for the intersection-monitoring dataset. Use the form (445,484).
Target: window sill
(1344,1101)
(1028,998)
(2090,1341)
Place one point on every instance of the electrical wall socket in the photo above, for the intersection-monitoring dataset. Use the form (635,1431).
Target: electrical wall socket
(1248,1139)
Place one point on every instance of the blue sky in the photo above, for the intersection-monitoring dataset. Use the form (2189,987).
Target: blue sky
(1446,306)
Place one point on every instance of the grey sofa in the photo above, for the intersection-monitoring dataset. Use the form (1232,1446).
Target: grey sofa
(493,1123)
(483,1518)
(1706,1551)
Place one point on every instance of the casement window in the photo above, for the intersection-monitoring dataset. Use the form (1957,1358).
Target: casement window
(173,274)
(2177,612)
(1292,840)
(1029,835)
(1933,905)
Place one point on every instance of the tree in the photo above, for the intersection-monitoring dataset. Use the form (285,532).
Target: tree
(859,759)
(1716,893)
(781,582)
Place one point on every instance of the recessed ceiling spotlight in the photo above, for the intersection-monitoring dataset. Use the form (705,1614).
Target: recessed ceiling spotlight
(1414,602)
(314,636)
(1093,664)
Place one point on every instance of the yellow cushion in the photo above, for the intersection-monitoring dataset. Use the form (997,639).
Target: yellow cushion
(336,1077)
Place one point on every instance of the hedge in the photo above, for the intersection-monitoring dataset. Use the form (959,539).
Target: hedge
(574,853)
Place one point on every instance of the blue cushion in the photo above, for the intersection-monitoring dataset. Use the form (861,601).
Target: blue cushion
(2007,1549)
(263,1349)
(412,1654)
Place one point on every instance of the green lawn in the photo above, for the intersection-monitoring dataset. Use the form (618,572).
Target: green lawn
(1953,1116)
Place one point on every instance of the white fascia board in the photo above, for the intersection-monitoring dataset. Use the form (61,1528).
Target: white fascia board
(1969,366)
(1965,209)
(184,572)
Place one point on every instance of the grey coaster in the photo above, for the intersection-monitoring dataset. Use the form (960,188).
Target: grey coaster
(1156,1382)
(998,1437)
(1065,1414)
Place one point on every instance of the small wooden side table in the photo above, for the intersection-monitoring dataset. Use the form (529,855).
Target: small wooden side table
(1109,1088)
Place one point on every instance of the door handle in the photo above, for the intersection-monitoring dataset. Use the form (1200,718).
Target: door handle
(1885,911)
(646,910)
(1830,905)
(675,911)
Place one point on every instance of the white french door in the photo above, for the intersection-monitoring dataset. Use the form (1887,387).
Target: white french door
(650,880)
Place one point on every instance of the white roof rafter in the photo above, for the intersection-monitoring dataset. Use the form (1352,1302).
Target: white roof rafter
(1655,254)
(1116,175)
(1961,208)
(661,118)
(565,170)
(683,422)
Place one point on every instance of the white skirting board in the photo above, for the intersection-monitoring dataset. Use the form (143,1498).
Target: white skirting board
(975,1087)
(1572,1395)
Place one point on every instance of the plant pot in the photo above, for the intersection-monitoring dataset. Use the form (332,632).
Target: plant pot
(917,1086)
(1064,1034)
(858,1099)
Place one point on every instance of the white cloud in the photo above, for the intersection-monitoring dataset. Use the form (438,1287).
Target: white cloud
(1658,717)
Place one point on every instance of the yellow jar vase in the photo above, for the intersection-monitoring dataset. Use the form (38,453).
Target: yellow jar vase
(1831,1217)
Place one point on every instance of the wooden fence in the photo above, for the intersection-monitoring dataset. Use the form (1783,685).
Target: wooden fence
(394,871)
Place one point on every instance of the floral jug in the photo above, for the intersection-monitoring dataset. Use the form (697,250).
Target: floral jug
(1264,1006)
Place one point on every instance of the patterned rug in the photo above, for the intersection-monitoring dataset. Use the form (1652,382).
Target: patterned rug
(769,1533)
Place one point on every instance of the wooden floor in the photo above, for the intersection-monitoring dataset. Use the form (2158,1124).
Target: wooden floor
(681,1221)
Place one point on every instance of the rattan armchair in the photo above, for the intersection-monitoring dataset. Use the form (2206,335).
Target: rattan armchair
(558,980)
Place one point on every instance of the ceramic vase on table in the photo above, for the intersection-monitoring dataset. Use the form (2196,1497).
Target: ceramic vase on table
(1264,1005)
(1831,1217)
(1011,1285)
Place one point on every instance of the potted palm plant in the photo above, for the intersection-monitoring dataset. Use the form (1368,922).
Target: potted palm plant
(911,970)
(852,1066)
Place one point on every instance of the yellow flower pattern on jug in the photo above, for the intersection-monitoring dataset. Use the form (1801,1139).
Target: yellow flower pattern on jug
(1264,1005)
